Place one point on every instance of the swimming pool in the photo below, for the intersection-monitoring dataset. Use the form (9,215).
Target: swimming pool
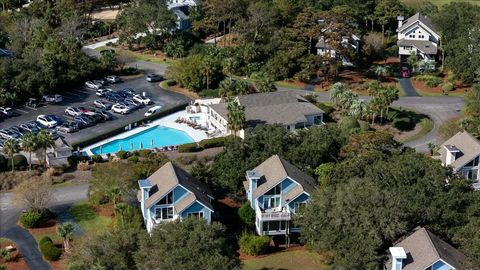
(157,136)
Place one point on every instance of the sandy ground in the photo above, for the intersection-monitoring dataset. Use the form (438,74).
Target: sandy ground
(105,15)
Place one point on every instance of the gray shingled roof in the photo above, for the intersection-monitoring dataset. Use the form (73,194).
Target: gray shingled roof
(169,176)
(322,44)
(424,248)
(415,19)
(468,145)
(423,45)
(280,107)
(274,170)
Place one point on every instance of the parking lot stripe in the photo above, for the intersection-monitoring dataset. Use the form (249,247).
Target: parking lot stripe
(21,111)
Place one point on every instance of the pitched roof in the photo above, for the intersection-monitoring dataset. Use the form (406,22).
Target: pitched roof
(425,46)
(468,145)
(274,170)
(280,107)
(424,248)
(418,18)
(167,178)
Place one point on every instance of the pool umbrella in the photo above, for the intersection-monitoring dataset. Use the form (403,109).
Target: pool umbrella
(141,145)
(152,142)
(131,146)
(120,147)
(100,149)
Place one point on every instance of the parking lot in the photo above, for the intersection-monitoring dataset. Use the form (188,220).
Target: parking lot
(83,96)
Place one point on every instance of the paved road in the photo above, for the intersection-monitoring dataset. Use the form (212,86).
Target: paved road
(9,213)
(407,86)
(439,109)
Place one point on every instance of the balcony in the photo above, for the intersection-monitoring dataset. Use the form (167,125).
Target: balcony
(272,214)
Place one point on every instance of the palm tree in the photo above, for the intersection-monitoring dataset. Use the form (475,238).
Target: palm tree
(65,230)
(29,144)
(45,141)
(358,108)
(236,116)
(121,210)
(380,71)
(432,147)
(374,107)
(10,148)
(347,98)
(337,91)
(229,66)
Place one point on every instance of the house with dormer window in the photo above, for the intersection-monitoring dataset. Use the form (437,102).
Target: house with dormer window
(417,35)
(170,194)
(277,190)
(462,152)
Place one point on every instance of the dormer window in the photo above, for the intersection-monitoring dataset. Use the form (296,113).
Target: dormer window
(473,163)
(167,199)
(274,191)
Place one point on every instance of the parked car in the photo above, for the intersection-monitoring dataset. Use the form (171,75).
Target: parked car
(7,111)
(102,104)
(31,127)
(120,108)
(113,97)
(142,99)
(83,109)
(83,121)
(9,134)
(153,78)
(52,99)
(113,79)
(53,133)
(130,106)
(58,119)
(131,101)
(100,81)
(105,115)
(32,103)
(68,127)
(129,91)
(19,130)
(2,143)
(102,91)
(73,111)
(405,72)
(152,110)
(94,117)
(47,121)
(93,85)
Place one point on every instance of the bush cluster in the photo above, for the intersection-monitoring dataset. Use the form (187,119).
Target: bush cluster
(447,87)
(145,152)
(19,162)
(3,163)
(430,80)
(188,148)
(133,159)
(247,214)
(31,219)
(49,250)
(203,144)
(253,244)
(97,158)
(122,154)
(403,124)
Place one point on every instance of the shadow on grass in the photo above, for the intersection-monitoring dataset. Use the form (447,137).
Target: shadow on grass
(83,212)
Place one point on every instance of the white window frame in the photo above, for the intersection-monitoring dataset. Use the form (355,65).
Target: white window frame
(159,212)
(195,214)
(296,206)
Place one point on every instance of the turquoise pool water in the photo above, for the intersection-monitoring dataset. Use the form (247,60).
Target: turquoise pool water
(160,136)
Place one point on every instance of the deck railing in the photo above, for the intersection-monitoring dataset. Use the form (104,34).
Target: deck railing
(266,216)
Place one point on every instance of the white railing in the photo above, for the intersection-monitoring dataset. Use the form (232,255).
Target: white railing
(263,216)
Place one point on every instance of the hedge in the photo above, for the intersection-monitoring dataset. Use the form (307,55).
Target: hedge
(31,219)
(97,158)
(145,152)
(3,163)
(447,87)
(188,148)
(214,142)
(122,154)
(49,250)
(403,124)
(133,159)
(19,161)
(247,214)
(253,244)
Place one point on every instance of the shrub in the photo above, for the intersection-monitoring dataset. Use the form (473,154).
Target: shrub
(391,115)
(325,107)
(19,162)
(44,240)
(247,214)
(403,124)
(253,244)
(97,198)
(3,163)
(97,158)
(83,166)
(133,159)
(364,126)
(188,148)
(170,82)
(214,142)
(31,219)
(50,251)
(5,254)
(447,87)
(145,152)
(347,124)
(433,82)
(122,154)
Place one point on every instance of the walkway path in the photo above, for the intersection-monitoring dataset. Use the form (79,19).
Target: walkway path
(64,197)
(408,88)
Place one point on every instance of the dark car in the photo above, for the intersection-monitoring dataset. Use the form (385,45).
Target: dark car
(68,127)
(95,117)
(56,118)
(114,97)
(31,127)
(129,91)
(19,130)
(105,115)
(83,121)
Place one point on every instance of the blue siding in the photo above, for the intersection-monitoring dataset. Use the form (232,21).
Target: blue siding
(195,208)
(287,184)
(439,265)
(179,193)
(302,198)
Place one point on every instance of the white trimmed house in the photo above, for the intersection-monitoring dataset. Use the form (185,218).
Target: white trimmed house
(417,35)
(462,152)
(352,43)
(277,190)
(170,194)
(181,10)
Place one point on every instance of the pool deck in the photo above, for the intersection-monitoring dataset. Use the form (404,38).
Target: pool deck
(167,121)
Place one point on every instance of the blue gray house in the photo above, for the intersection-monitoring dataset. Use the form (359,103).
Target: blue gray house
(277,190)
(170,194)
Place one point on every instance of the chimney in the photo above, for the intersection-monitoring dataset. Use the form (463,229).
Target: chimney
(398,255)
(252,178)
(451,154)
(145,187)
(400,21)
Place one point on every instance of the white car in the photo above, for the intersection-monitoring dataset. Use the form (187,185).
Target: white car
(152,110)
(142,99)
(93,85)
(47,121)
(54,99)
(153,78)
(102,104)
(113,79)
(120,108)
(101,92)
(73,111)
(7,111)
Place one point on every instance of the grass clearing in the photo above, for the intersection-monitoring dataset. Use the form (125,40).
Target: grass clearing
(88,220)
(289,260)
(440,3)
(148,57)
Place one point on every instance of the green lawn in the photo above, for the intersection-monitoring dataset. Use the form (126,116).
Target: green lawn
(442,2)
(88,220)
(290,260)
(140,56)
(426,125)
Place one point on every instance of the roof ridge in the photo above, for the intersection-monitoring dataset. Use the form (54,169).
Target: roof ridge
(282,161)
(428,233)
